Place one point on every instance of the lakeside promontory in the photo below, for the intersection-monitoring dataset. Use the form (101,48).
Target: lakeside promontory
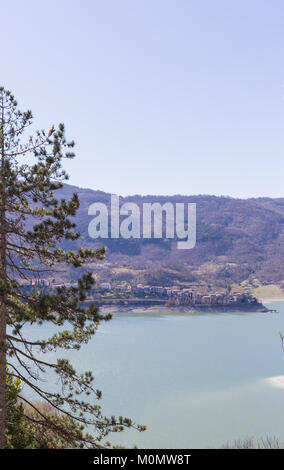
(154,298)
(125,297)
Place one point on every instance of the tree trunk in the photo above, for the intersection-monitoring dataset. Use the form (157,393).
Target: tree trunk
(2,375)
(3,298)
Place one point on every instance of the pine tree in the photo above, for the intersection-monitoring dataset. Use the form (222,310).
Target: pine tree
(33,223)
(16,427)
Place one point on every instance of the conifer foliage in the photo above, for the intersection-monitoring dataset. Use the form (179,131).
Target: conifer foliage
(33,222)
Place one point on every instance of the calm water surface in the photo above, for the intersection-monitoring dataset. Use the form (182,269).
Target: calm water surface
(195,380)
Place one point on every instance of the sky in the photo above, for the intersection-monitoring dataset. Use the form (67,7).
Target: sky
(161,96)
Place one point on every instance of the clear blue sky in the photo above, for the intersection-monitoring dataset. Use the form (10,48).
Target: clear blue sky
(161,96)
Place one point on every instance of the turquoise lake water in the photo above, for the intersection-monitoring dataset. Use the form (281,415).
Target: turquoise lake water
(195,380)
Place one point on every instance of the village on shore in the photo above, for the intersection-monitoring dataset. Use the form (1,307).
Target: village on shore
(179,296)
(106,293)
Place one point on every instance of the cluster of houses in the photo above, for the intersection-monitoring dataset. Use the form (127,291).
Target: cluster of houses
(186,296)
(170,294)
(35,283)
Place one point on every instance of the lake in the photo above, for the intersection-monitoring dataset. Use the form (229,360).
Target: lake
(195,380)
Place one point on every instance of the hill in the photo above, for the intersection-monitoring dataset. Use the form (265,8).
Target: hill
(238,242)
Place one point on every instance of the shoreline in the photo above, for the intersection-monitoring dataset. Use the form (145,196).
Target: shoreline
(182,309)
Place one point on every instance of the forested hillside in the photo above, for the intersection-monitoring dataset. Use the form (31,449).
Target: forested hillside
(237,240)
